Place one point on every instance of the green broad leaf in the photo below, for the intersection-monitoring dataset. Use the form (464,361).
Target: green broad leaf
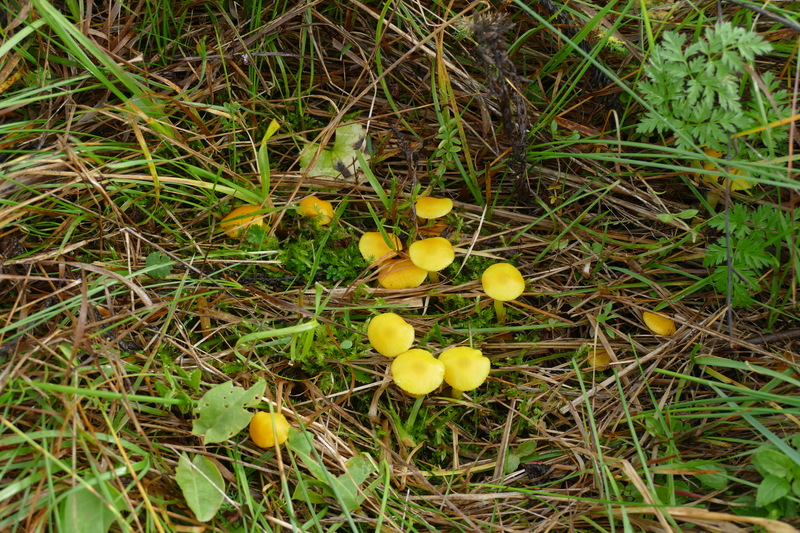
(202,485)
(512,463)
(717,480)
(301,443)
(87,511)
(526,450)
(349,138)
(344,488)
(303,494)
(222,412)
(158,265)
(771,489)
(341,157)
(771,462)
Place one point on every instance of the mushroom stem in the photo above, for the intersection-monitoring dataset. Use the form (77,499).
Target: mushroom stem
(500,310)
(433,277)
(455,393)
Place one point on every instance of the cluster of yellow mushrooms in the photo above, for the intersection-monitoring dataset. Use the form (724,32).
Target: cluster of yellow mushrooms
(237,221)
(417,371)
(414,370)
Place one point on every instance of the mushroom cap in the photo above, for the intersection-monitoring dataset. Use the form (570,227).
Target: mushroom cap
(430,207)
(502,282)
(598,359)
(433,230)
(261,429)
(465,368)
(316,209)
(242,218)
(373,247)
(390,334)
(737,184)
(417,372)
(401,274)
(660,325)
(432,254)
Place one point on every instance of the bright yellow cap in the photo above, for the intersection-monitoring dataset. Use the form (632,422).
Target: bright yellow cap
(316,209)
(401,274)
(660,325)
(465,368)
(390,334)
(502,282)
(238,220)
(429,207)
(417,372)
(432,254)
(373,247)
(267,429)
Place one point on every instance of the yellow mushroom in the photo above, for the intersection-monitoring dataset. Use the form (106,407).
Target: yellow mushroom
(432,255)
(465,368)
(598,359)
(373,246)
(401,274)
(268,429)
(390,334)
(319,210)
(502,282)
(241,218)
(429,207)
(660,325)
(417,372)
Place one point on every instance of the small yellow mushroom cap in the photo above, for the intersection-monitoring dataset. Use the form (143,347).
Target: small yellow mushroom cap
(660,325)
(373,247)
(598,359)
(390,334)
(268,429)
(465,368)
(430,207)
(241,218)
(316,209)
(401,274)
(417,372)
(432,254)
(737,184)
(502,282)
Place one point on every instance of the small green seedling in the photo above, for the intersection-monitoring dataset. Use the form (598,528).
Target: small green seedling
(345,488)
(779,491)
(158,265)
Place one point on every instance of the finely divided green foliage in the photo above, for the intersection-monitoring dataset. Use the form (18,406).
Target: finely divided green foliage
(695,92)
(756,239)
